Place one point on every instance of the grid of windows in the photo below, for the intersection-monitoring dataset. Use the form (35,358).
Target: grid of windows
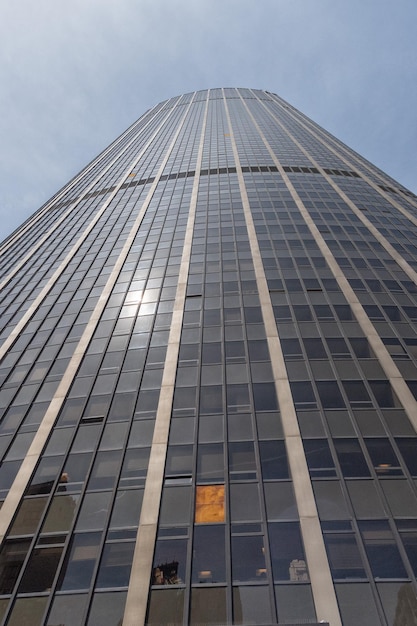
(87,318)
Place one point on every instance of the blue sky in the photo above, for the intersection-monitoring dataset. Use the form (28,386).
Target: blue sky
(74,74)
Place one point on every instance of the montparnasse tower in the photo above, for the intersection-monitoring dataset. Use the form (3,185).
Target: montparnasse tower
(209,378)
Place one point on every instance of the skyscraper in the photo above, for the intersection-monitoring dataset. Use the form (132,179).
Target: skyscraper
(209,365)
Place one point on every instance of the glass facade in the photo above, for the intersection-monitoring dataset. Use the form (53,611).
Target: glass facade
(209,381)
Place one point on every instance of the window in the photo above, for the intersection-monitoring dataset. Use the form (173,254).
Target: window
(381,549)
(80,560)
(210,505)
(351,459)
(287,552)
(208,564)
(319,458)
(330,395)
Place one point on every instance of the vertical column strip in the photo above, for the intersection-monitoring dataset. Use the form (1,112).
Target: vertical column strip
(55,276)
(72,206)
(351,166)
(386,361)
(137,597)
(320,576)
(24,474)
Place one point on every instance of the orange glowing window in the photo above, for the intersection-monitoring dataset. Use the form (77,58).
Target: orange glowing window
(209,506)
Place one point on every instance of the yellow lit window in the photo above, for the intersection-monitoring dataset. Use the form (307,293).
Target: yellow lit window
(209,505)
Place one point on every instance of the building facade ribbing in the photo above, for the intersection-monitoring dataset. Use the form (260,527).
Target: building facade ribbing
(209,381)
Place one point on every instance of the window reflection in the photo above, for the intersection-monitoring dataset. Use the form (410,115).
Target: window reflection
(12,556)
(169,562)
(79,563)
(287,552)
(41,569)
(115,565)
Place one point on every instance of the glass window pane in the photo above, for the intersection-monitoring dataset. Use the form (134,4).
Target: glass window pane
(244,502)
(166,609)
(330,395)
(383,457)
(210,428)
(141,433)
(383,393)
(399,602)
(94,511)
(107,608)
(251,605)
(381,549)
(135,466)
(208,606)
(239,427)
(181,430)
(79,562)
(210,462)
(319,458)
(28,516)
(126,509)
(211,399)
(295,604)
(242,459)
(287,552)
(61,514)
(273,459)
(105,469)
(303,394)
(27,612)
(280,501)
(68,610)
(40,570)
(209,554)
(75,470)
(265,397)
(356,393)
(409,540)
(238,399)
(115,565)
(169,562)
(175,506)
(365,498)
(86,438)
(114,436)
(12,556)
(408,449)
(248,558)
(351,459)
(314,348)
(179,461)
(330,501)
(45,475)
(344,558)
(357,605)
(401,498)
